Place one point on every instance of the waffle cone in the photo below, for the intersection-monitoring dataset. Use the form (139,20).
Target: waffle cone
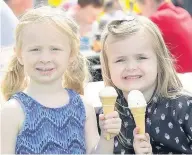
(108,104)
(139,117)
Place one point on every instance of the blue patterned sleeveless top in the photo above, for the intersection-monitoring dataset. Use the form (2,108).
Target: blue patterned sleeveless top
(51,130)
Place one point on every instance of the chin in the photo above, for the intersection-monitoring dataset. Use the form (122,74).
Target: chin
(46,80)
(128,89)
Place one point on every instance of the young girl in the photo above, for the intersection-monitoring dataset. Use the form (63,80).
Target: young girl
(42,116)
(135,57)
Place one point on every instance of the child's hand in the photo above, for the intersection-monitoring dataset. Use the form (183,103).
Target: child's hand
(110,124)
(141,143)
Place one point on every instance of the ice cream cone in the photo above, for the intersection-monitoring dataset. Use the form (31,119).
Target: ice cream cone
(108,98)
(108,104)
(137,105)
(139,117)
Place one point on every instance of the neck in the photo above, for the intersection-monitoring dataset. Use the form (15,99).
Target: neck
(46,89)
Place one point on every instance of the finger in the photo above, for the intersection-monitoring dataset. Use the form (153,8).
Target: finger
(140,137)
(145,150)
(111,126)
(113,121)
(113,114)
(147,136)
(101,117)
(113,131)
(101,121)
(136,131)
(144,144)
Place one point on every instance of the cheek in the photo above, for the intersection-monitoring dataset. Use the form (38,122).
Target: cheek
(28,59)
(62,59)
(115,72)
(150,69)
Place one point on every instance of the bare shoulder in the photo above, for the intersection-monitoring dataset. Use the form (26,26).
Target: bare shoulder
(12,111)
(12,118)
(88,107)
(11,106)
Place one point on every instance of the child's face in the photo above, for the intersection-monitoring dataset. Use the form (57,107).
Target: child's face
(45,52)
(132,63)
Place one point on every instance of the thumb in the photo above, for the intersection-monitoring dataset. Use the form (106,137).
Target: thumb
(101,117)
(136,131)
(147,136)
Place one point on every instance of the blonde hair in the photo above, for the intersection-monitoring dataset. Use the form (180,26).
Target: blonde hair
(168,83)
(77,72)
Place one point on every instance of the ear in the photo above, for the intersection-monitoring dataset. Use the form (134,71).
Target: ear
(19,57)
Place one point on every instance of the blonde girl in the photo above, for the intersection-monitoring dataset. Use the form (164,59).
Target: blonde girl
(44,113)
(134,57)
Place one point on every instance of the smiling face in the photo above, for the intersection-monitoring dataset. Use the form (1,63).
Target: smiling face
(45,52)
(132,63)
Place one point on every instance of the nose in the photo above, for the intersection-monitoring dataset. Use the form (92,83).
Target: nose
(131,65)
(45,57)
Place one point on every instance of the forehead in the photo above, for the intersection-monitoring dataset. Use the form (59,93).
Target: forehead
(137,43)
(43,31)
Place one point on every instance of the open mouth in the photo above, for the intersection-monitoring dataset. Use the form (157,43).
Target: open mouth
(130,77)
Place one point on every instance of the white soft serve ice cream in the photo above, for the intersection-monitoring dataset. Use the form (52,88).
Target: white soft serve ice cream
(136,99)
(108,92)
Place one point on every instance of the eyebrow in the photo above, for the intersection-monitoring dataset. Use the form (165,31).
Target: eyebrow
(141,54)
(120,57)
(137,55)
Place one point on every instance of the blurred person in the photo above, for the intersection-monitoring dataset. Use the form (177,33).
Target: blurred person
(175,24)
(113,10)
(19,6)
(85,12)
(8,25)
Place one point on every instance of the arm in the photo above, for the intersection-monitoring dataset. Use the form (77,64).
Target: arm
(11,115)
(96,144)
